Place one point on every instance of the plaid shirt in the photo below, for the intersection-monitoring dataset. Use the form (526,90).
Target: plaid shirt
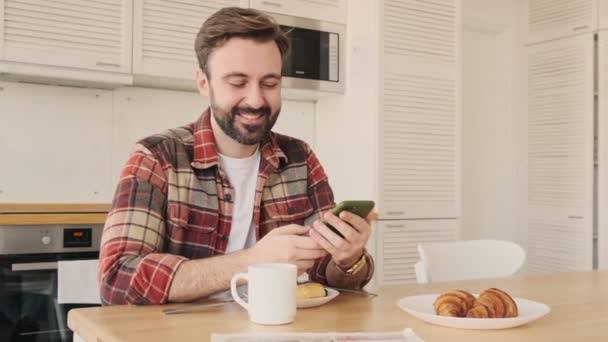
(174,203)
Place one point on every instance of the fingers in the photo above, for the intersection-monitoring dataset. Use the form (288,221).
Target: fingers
(292,229)
(322,241)
(304,242)
(329,236)
(311,254)
(356,222)
(347,231)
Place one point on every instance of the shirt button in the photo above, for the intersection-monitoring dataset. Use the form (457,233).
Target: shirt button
(227,197)
(291,211)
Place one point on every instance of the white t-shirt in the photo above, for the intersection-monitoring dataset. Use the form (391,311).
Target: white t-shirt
(243,175)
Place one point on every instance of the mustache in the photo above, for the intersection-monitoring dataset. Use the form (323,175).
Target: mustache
(264,110)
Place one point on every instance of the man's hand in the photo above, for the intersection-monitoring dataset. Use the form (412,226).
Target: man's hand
(356,230)
(289,244)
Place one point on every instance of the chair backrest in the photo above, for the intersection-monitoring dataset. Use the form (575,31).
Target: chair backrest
(468,259)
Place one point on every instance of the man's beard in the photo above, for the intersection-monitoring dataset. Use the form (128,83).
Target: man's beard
(252,134)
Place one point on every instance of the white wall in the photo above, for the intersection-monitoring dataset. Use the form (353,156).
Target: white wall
(68,145)
(494,121)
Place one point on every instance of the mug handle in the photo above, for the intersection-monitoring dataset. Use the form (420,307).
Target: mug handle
(235,293)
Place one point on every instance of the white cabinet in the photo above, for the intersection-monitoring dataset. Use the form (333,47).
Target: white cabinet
(397,246)
(602,9)
(80,35)
(325,10)
(55,143)
(560,154)
(394,136)
(163,36)
(551,19)
(419,110)
(602,185)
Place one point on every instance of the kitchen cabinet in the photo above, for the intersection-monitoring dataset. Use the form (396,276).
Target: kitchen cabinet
(325,10)
(395,135)
(561,154)
(89,40)
(399,252)
(551,19)
(163,39)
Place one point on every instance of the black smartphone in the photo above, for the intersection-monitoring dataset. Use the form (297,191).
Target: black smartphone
(359,208)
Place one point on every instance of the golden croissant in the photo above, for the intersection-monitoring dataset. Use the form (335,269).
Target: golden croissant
(493,303)
(454,303)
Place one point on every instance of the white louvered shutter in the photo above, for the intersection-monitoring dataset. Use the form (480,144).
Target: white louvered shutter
(164,33)
(399,253)
(551,19)
(602,157)
(560,155)
(92,34)
(326,10)
(419,110)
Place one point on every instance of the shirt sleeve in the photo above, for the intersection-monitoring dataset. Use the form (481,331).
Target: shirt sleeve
(132,267)
(321,196)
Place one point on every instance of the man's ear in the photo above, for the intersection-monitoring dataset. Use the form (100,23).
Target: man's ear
(202,82)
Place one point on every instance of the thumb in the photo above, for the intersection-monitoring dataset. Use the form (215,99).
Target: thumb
(292,229)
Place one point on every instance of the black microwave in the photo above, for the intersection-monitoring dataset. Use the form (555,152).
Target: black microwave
(316,57)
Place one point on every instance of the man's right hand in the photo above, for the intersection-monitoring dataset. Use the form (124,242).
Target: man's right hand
(288,244)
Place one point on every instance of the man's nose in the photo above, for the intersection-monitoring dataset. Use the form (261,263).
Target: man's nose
(255,97)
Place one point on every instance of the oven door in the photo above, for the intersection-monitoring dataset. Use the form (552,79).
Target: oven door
(28,298)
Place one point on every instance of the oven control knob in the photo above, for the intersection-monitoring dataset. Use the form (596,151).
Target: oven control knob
(46,240)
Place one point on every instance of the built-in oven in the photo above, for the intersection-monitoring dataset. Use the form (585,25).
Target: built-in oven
(29,255)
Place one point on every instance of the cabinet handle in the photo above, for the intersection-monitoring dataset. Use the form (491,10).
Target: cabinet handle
(104,64)
(575,217)
(395,213)
(273,4)
(34,266)
(578,28)
(395,226)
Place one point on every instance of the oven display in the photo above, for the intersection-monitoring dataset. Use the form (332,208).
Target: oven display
(77,237)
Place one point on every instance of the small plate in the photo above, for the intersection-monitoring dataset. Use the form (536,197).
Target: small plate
(422,307)
(312,302)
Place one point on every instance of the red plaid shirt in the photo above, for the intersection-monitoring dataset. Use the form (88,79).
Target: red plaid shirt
(174,203)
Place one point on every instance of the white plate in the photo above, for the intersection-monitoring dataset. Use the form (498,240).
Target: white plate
(312,302)
(422,307)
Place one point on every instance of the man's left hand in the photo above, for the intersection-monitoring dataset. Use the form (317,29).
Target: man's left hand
(344,251)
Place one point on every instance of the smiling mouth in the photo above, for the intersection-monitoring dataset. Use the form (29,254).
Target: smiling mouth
(251,118)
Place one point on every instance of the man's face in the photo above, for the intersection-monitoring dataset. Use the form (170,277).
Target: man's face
(243,84)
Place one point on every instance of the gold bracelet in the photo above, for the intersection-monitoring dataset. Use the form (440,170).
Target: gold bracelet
(356,267)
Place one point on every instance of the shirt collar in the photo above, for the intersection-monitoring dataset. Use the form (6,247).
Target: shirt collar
(205,149)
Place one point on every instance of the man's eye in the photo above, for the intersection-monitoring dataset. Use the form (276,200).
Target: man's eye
(270,84)
(238,84)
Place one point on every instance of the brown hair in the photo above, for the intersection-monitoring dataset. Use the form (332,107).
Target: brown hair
(233,22)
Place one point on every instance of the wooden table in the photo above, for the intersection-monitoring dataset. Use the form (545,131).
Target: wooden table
(579,304)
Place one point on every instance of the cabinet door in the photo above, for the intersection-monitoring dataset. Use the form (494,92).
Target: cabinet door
(55,144)
(560,154)
(91,35)
(550,19)
(601,236)
(419,110)
(397,250)
(164,32)
(326,10)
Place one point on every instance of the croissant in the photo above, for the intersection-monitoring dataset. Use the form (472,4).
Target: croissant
(493,303)
(454,303)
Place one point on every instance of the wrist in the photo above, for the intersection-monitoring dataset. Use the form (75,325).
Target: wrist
(353,265)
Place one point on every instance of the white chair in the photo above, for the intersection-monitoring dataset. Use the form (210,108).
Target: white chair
(468,259)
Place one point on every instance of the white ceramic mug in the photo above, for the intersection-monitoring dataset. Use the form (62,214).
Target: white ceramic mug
(271,292)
